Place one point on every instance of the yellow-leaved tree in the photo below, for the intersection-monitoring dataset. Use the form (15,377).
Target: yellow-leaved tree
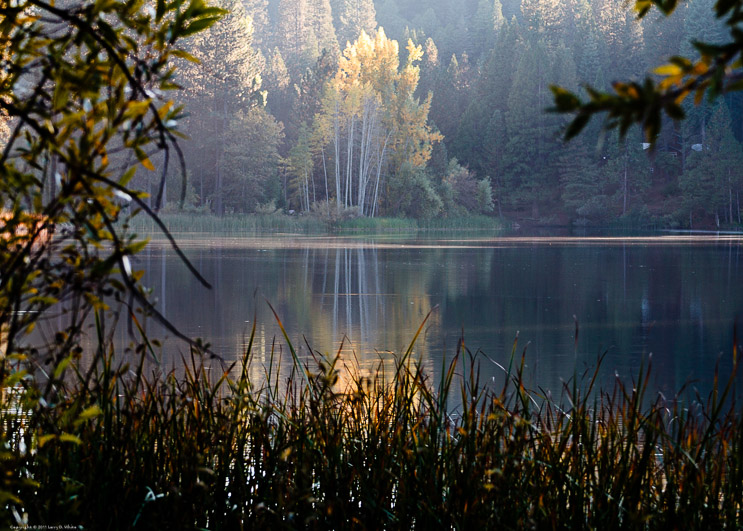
(371,120)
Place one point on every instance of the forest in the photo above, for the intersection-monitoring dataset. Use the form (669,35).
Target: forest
(438,108)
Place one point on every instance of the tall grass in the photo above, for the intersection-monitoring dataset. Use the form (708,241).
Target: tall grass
(236,224)
(327,448)
(239,224)
(434,224)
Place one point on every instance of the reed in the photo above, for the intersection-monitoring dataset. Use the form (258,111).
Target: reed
(324,447)
(433,224)
(240,224)
(237,224)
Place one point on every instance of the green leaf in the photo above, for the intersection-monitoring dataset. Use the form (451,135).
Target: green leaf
(68,437)
(565,101)
(137,246)
(91,412)
(14,378)
(199,25)
(61,367)
(577,125)
(45,439)
(144,159)
(127,176)
(187,56)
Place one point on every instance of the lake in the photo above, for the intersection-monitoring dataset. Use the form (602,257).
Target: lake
(673,296)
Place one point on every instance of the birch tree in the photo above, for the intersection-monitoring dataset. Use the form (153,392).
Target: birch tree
(371,120)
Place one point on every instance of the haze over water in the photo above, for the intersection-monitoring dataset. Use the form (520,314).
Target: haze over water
(675,296)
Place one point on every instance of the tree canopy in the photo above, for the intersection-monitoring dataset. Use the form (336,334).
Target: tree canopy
(716,71)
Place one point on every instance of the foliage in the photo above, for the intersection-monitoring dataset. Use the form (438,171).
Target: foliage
(266,219)
(372,122)
(463,194)
(715,72)
(84,89)
(232,146)
(487,66)
(412,194)
(712,178)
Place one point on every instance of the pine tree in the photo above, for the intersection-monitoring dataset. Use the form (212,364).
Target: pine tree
(391,19)
(712,182)
(626,172)
(227,80)
(700,24)
(352,17)
(621,32)
(530,148)
(251,160)
(257,10)
(583,195)
(450,96)
(546,18)
(484,24)
(277,77)
(321,17)
(294,31)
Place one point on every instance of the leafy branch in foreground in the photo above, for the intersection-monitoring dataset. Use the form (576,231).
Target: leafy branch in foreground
(83,105)
(716,72)
(83,101)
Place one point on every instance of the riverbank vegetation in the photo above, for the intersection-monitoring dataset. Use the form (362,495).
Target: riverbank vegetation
(237,224)
(316,443)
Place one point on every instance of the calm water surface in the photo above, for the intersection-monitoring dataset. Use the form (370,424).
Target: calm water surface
(676,297)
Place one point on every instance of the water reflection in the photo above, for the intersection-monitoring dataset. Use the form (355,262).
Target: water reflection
(674,297)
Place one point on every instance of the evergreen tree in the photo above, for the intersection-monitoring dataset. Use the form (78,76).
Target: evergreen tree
(661,35)
(546,19)
(626,173)
(391,19)
(429,67)
(251,161)
(487,20)
(530,148)
(621,32)
(450,96)
(712,184)
(583,195)
(226,81)
(352,17)
(277,77)
(257,10)
(699,24)
(321,17)
(294,33)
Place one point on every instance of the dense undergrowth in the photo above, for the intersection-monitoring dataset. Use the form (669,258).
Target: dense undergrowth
(116,446)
